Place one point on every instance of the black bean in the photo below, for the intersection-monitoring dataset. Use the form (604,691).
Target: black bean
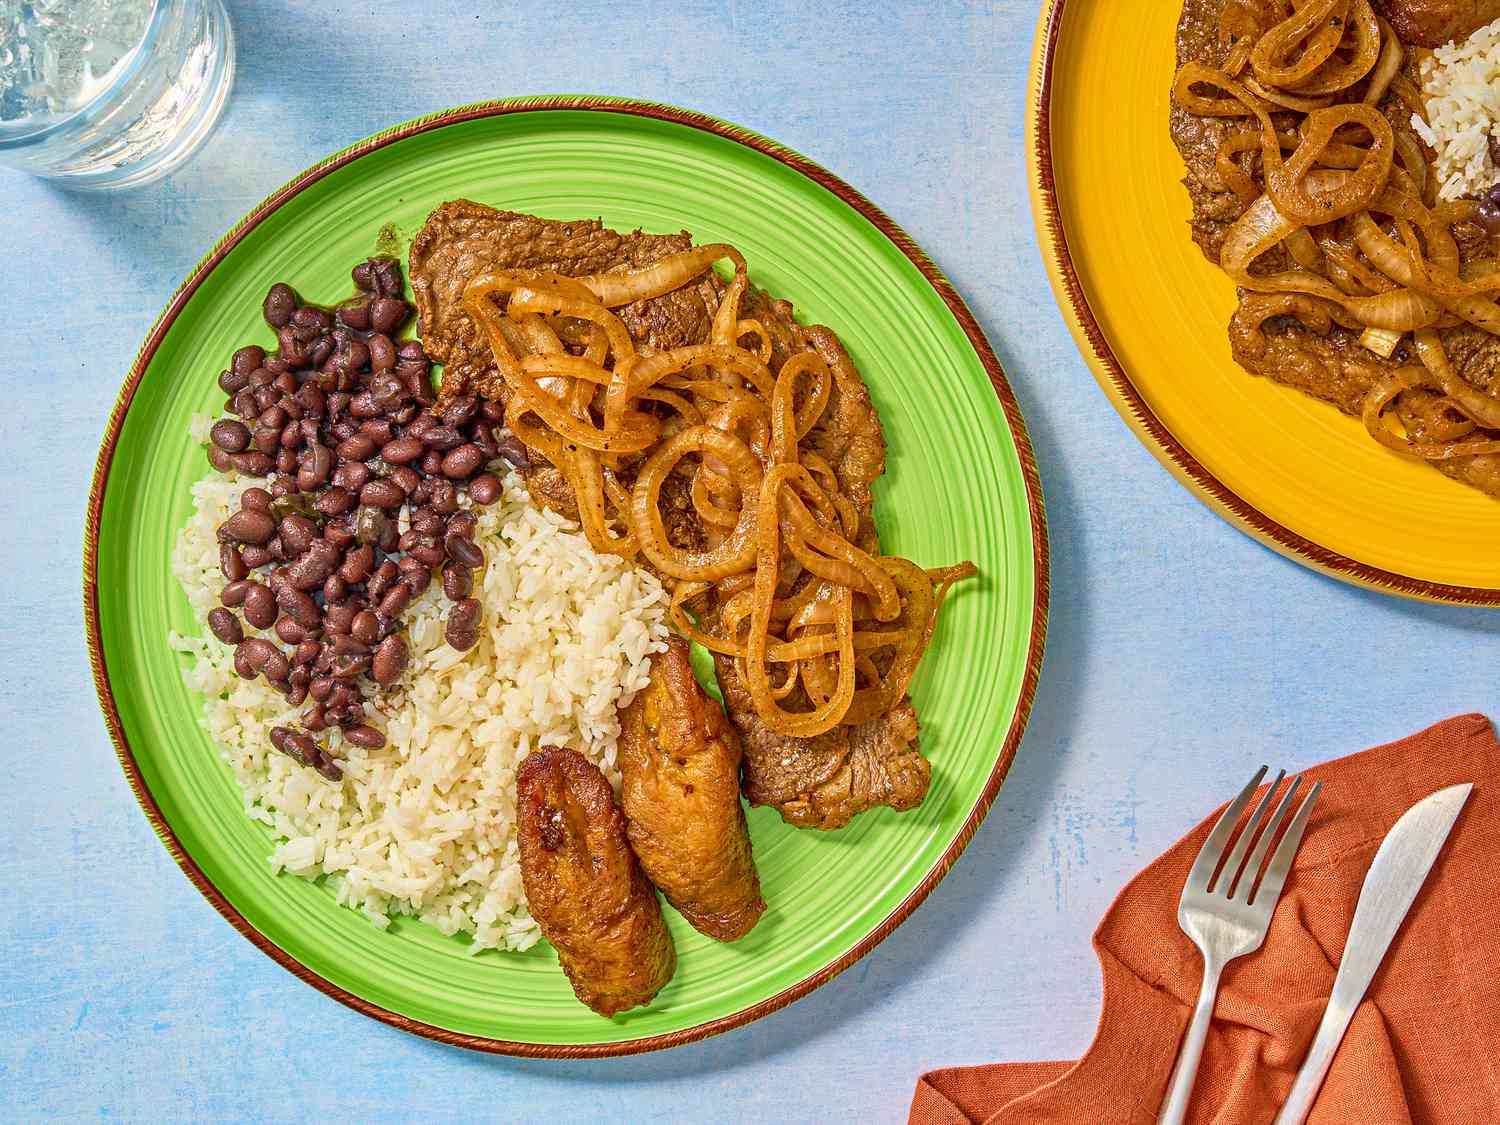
(347,644)
(299,606)
(232,381)
(463,462)
(442,438)
(359,447)
(225,625)
(395,600)
(416,574)
(356,314)
(339,533)
(389,660)
(363,405)
(443,496)
(382,353)
(279,305)
(233,593)
(255,556)
(387,276)
(418,381)
(293,349)
(406,478)
(232,563)
(265,398)
(421,423)
(302,748)
(314,718)
(350,666)
(338,618)
(379,430)
(428,552)
(462,631)
(371,524)
(364,274)
(243,404)
(334,501)
(316,469)
(242,666)
(311,399)
(267,439)
(256,498)
(459,411)
(365,628)
(251,464)
(321,349)
(248,525)
(291,436)
(297,533)
(382,494)
(458,581)
(312,567)
(492,411)
(248,358)
(352,475)
(289,631)
(220,460)
(400,451)
(431,462)
(485,488)
(260,605)
(357,564)
(425,521)
(366,736)
(463,523)
(411,350)
(463,550)
(229,435)
(263,656)
(320,687)
(306,652)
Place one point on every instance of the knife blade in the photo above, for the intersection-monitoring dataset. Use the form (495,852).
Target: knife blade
(1396,874)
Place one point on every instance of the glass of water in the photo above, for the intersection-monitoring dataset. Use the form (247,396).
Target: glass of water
(110,93)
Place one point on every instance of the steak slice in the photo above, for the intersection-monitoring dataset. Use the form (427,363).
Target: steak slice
(1431,23)
(826,781)
(822,782)
(1331,365)
(462,240)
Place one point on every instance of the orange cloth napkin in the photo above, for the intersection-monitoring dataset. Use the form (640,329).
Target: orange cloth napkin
(1424,1046)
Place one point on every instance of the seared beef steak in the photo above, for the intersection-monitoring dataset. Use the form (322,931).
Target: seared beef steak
(820,782)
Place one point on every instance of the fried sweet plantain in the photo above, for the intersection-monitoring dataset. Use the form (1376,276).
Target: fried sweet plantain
(584,886)
(681,762)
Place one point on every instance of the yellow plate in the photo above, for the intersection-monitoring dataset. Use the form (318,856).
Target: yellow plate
(1149,314)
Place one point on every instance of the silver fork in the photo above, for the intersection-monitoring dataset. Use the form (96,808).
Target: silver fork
(1226,911)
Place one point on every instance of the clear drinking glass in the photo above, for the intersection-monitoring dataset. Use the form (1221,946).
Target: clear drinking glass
(110,93)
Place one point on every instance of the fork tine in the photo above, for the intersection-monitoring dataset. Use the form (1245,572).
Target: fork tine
(1213,847)
(1251,871)
(1281,862)
(1229,874)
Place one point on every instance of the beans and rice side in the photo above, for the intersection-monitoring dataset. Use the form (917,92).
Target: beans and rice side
(394,626)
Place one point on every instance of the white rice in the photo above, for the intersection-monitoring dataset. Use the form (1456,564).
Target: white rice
(425,825)
(1461,90)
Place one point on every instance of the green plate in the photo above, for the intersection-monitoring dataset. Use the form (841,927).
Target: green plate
(961,484)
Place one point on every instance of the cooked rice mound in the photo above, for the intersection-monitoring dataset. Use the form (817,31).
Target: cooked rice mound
(1461,89)
(425,825)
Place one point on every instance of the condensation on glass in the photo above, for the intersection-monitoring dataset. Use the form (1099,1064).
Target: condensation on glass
(110,93)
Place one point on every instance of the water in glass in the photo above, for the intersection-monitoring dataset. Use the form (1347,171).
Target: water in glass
(110,93)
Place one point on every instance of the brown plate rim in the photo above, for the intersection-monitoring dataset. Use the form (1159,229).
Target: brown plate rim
(1132,404)
(819,175)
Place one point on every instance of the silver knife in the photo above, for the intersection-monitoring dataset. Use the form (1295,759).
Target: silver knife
(1396,874)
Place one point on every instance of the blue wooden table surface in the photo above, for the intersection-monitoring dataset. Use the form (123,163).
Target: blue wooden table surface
(1180,653)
